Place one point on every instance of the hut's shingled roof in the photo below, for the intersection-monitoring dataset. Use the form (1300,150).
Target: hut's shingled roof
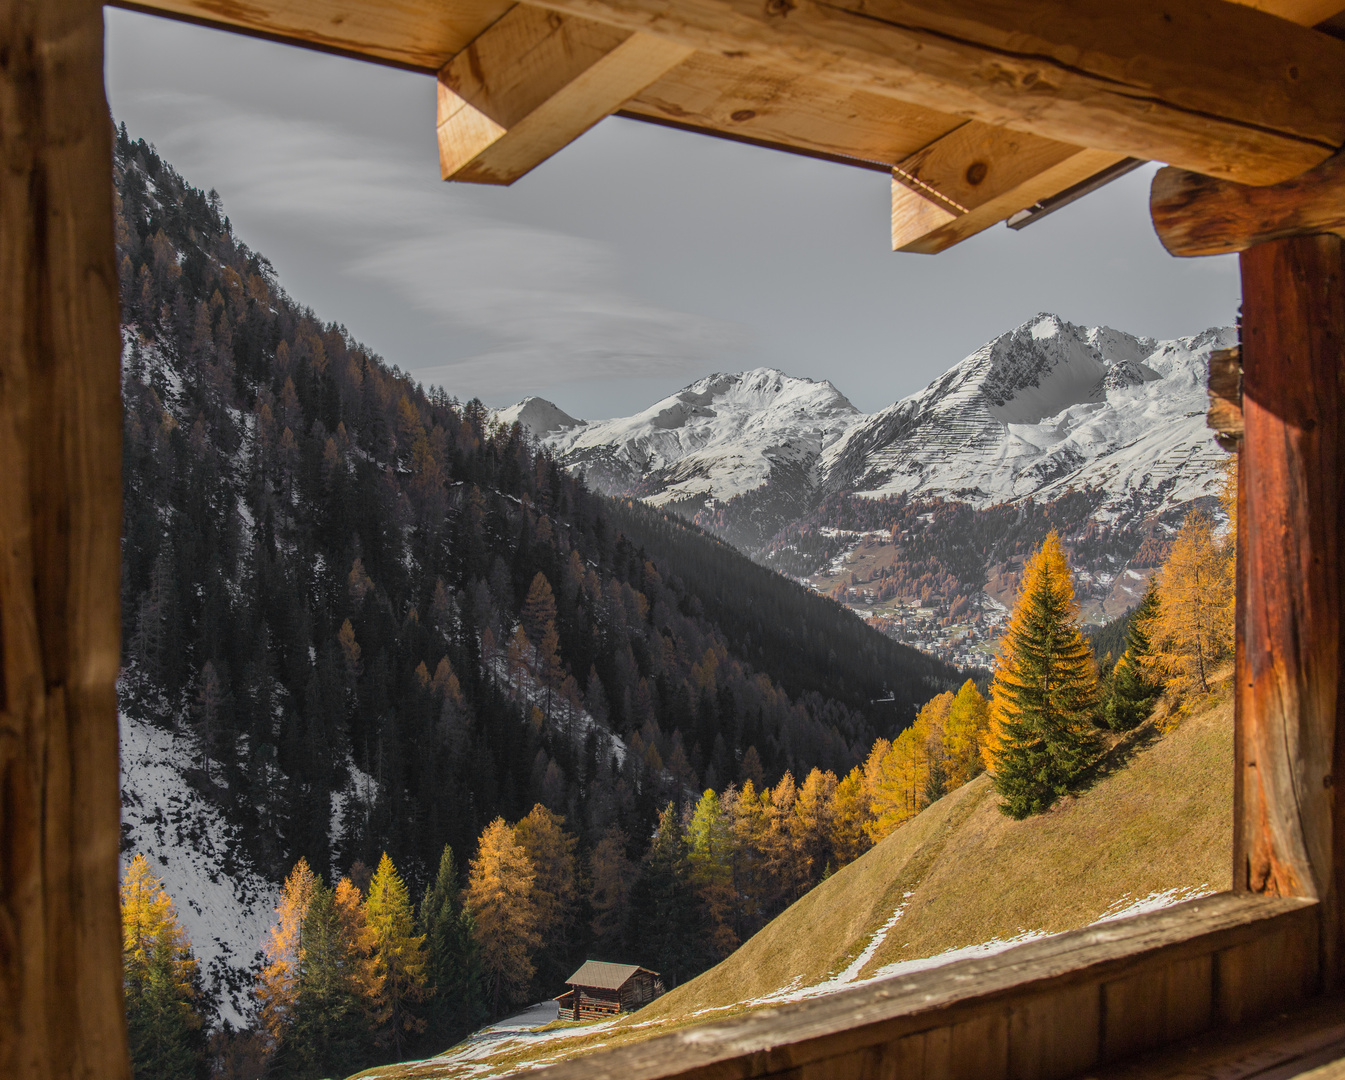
(603,975)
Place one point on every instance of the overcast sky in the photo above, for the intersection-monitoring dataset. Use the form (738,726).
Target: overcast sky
(635,261)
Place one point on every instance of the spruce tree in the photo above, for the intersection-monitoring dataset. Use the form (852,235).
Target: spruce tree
(1044,697)
(663,930)
(454,968)
(1134,692)
(165,1006)
(399,958)
(329,1031)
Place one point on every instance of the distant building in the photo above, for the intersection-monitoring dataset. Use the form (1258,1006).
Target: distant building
(599,990)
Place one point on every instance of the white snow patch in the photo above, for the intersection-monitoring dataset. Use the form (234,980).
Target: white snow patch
(224,912)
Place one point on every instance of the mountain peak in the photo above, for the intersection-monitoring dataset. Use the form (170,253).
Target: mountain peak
(538,416)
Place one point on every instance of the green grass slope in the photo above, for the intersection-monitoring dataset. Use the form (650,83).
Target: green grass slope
(1154,828)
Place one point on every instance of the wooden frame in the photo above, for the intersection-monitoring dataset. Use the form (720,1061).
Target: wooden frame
(1270,102)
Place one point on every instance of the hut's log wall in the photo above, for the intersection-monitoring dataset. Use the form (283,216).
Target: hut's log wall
(1290,826)
(60,564)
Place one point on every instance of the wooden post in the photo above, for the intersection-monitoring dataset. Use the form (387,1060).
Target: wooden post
(61,1013)
(1291,762)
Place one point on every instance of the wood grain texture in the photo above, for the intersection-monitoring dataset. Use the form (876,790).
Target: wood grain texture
(731,98)
(1199,215)
(977,176)
(534,82)
(1211,86)
(60,505)
(1292,510)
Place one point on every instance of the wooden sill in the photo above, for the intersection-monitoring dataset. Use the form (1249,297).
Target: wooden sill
(1047,1009)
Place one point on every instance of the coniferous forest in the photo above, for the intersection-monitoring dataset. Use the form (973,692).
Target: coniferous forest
(387,622)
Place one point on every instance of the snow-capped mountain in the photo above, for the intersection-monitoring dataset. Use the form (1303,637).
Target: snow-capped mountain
(722,436)
(1046,406)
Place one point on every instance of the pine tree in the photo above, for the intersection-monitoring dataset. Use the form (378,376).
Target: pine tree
(1134,690)
(964,733)
(663,917)
(399,957)
(850,813)
(329,1030)
(453,966)
(278,982)
(812,826)
(499,896)
(555,890)
(611,874)
(165,1007)
(1044,697)
(1193,629)
(710,857)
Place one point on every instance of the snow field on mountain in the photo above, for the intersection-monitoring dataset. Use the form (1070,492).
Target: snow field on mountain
(224,906)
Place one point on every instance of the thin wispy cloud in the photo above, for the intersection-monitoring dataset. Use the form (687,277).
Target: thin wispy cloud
(541,307)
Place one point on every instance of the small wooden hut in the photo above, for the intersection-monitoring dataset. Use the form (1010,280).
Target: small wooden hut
(599,990)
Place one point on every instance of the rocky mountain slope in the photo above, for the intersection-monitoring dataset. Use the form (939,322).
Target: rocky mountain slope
(1047,406)
(1041,408)
(918,516)
(722,436)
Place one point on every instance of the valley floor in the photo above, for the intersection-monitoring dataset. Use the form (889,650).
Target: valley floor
(959,880)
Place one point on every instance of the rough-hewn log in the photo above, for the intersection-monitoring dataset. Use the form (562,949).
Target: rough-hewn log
(1199,215)
(1225,389)
(532,84)
(1290,837)
(60,566)
(1207,85)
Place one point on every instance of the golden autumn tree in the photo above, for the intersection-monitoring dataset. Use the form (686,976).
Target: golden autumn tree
(399,958)
(278,983)
(898,776)
(710,858)
(555,888)
(1193,629)
(1045,696)
(964,733)
(164,1014)
(499,896)
(851,813)
(813,819)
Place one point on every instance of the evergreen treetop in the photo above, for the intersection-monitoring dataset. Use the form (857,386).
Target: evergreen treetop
(1044,697)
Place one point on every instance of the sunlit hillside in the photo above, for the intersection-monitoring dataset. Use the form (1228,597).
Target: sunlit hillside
(958,880)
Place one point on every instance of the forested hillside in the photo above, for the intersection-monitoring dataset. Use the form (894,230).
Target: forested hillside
(384,622)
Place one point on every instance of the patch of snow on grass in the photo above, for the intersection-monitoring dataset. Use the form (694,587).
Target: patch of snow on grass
(1155,901)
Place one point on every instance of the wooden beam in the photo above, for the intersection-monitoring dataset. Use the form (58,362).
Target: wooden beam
(930,221)
(729,98)
(976,176)
(532,84)
(61,1013)
(1291,833)
(1199,215)
(1205,84)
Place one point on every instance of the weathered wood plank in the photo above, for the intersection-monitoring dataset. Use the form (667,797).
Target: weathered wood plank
(533,83)
(1199,215)
(1211,86)
(60,518)
(1292,510)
